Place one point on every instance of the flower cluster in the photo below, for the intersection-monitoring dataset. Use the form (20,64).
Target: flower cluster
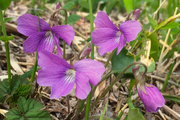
(55,71)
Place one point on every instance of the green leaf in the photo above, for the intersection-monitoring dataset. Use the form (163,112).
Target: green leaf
(171,25)
(4,86)
(165,22)
(72,19)
(172,98)
(121,61)
(152,22)
(104,110)
(7,19)
(6,38)
(154,52)
(69,5)
(4,4)
(28,110)
(135,114)
(110,5)
(128,5)
(88,17)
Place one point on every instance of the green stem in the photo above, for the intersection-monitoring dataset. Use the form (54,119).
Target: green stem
(117,78)
(110,56)
(32,6)
(92,57)
(7,47)
(168,75)
(34,69)
(35,64)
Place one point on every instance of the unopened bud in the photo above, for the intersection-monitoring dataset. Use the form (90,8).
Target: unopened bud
(57,6)
(85,52)
(136,14)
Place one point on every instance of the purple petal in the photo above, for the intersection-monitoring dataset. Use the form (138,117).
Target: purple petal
(122,43)
(65,32)
(32,42)
(102,21)
(130,29)
(61,88)
(48,59)
(82,86)
(91,68)
(50,75)
(107,39)
(29,24)
(59,51)
(47,42)
(153,101)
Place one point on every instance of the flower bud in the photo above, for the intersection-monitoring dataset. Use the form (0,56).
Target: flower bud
(85,52)
(149,94)
(136,14)
(57,6)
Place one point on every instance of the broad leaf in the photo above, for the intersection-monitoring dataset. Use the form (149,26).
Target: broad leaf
(72,19)
(171,25)
(128,5)
(121,61)
(28,110)
(135,114)
(152,22)
(4,4)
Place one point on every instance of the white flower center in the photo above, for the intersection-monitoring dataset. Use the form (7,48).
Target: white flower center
(70,75)
(49,37)
(118,36)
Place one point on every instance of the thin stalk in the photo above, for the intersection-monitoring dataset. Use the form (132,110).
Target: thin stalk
(7,47)
(117,78)
(110,56)
(92,57)
(168,75)
(35,64)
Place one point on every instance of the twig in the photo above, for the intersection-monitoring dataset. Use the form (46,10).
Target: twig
(172,112)
(161,114)
(162,80)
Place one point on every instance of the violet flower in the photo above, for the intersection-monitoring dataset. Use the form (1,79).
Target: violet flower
(61,76)
(108,37)
(28,25)
(151,98)
(149,94)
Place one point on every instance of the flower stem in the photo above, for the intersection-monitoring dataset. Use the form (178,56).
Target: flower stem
(92,57)
(168,75)
(110,56)
(117,78)
(7,47)
(35,64)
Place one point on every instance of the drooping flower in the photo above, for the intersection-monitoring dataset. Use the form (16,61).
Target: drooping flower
(28,25)
(149,94)
(61,76)
(108,37)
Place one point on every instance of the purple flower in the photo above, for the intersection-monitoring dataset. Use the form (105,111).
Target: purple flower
(61,76)
(28,25)
(152,99)
(108,37)
(149,94)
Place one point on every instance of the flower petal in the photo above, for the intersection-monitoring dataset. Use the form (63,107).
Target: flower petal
(65,32)
(59,51)
(32,42)
(82,86)
(107,39)
(29,24)
(91,68)
(47,42)
(122,43)
(61,88)
(102,21)
(130,29)
(153,101)
(48,59)
(49,75)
